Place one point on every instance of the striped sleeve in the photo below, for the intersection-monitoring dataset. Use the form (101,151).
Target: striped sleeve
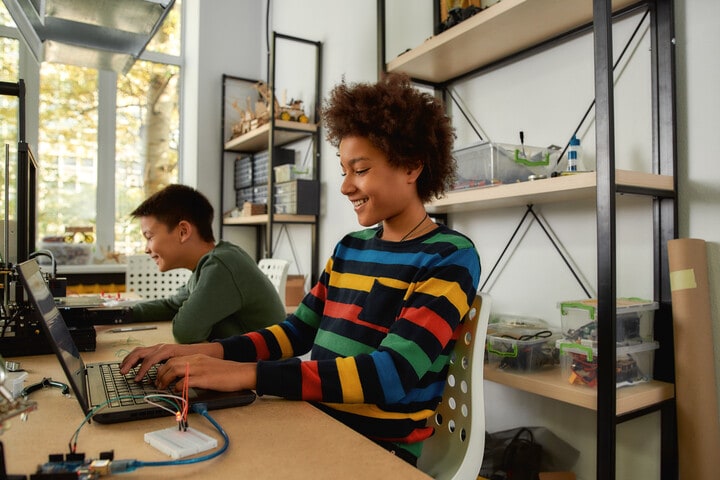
(384,336)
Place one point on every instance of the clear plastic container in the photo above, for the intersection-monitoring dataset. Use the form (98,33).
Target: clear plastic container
(485,164)
(634,317)
(579,363)
(523,348)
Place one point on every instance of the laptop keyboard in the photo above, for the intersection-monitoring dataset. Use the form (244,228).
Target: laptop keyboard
(123,390)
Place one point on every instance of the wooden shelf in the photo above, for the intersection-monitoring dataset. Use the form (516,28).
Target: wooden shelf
(549,190)
(549,383)
(263,219)
(503,29)
(257,139)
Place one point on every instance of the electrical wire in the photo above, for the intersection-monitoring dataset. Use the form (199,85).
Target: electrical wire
(183,424)
(72,444)
(130,465)
(124,466)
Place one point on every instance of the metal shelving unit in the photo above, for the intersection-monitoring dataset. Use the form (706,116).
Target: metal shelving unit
(453,55)
(274,133)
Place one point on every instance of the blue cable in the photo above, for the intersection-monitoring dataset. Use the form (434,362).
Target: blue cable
(124,466)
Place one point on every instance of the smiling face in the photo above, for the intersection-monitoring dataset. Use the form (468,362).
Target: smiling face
(163,244)
(378,191)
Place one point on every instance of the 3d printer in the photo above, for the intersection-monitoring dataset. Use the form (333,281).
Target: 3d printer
(19,334)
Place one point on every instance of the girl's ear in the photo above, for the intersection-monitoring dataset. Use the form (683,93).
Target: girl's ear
(414,172)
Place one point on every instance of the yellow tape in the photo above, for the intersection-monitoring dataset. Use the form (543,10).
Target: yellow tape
(682,280)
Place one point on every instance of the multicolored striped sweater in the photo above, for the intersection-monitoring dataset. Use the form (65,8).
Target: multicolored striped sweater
(379,324)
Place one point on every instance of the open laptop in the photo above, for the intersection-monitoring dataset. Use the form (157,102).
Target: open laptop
(87,381)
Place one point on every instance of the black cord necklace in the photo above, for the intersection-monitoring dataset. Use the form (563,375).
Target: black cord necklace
(414,228)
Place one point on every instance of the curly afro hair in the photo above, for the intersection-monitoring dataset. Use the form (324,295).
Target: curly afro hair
(408,125)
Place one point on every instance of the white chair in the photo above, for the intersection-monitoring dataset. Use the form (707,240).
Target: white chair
(276,270)
(143,278)
(455,451)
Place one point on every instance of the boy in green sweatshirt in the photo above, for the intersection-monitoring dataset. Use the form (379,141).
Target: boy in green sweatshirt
(227,294)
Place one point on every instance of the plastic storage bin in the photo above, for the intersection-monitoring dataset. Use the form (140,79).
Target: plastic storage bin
(281,156)
(634,363)
(484,164)
(301,197)
(634,318)
(521,347)
(287,173)
(243,172)
(66,253)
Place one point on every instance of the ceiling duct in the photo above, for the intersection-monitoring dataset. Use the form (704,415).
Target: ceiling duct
(102,34)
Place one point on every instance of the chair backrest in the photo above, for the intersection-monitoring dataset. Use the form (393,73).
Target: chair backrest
(276,270)
(455,450)
(143,278)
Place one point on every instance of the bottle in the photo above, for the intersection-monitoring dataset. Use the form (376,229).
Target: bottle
(573,154)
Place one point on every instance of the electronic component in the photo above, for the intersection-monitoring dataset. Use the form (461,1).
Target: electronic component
(10,406)
(179,443)
(74,466)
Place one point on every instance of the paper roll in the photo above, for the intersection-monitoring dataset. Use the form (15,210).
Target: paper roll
(695,389)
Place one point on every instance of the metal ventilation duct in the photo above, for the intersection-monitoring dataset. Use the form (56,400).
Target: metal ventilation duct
(102,34)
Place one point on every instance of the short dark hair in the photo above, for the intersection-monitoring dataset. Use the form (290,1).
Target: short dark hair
(175,203)
(406,124)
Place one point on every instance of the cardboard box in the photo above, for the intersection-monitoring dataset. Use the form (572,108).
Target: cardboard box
(294,289)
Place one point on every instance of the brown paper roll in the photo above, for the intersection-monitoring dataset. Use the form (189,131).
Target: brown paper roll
(695,389)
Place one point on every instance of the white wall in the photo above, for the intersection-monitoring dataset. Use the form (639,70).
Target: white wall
(221,37)
(545,96)
(347,31)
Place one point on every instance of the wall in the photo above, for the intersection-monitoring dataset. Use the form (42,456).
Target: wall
(698,104)
(544,96)
(219,39)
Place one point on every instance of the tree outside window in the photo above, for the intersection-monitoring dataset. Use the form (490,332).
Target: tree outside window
(143,159)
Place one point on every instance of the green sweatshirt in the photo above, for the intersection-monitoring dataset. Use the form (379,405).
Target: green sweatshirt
(226,295)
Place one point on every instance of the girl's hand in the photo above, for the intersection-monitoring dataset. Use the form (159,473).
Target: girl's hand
(207,372)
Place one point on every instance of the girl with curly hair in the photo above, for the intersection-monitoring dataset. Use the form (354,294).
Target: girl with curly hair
(379,323)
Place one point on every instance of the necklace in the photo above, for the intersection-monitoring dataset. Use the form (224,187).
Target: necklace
(414,228)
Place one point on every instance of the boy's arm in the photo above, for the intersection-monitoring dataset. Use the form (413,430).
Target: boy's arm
(159,310)
(212,299)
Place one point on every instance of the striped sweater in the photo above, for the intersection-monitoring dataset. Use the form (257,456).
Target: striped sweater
(379,324)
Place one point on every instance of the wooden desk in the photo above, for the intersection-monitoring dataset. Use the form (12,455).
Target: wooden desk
(269,439)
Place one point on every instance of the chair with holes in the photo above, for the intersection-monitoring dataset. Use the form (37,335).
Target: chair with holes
(143,278)
(276,270)
(455,451)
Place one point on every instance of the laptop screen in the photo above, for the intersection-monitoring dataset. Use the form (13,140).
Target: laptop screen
(58,335)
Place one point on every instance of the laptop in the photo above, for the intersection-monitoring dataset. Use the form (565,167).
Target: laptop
(88,381)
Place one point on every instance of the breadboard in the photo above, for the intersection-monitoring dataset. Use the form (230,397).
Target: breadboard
(180,443)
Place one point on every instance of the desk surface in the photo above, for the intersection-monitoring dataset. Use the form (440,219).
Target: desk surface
(269,439)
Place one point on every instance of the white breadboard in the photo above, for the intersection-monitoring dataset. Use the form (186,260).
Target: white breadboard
(180,443)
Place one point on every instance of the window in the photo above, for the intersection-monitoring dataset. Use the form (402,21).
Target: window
(9,52)
(105,141)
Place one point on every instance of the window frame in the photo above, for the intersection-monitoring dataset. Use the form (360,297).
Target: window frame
(29,71)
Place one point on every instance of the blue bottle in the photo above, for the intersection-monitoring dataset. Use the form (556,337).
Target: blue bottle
(573,154)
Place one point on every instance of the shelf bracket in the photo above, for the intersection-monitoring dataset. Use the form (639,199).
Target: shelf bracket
(529,212)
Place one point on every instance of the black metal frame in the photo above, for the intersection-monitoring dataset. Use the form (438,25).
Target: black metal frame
(26,177)
(665,210)
(264,232)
